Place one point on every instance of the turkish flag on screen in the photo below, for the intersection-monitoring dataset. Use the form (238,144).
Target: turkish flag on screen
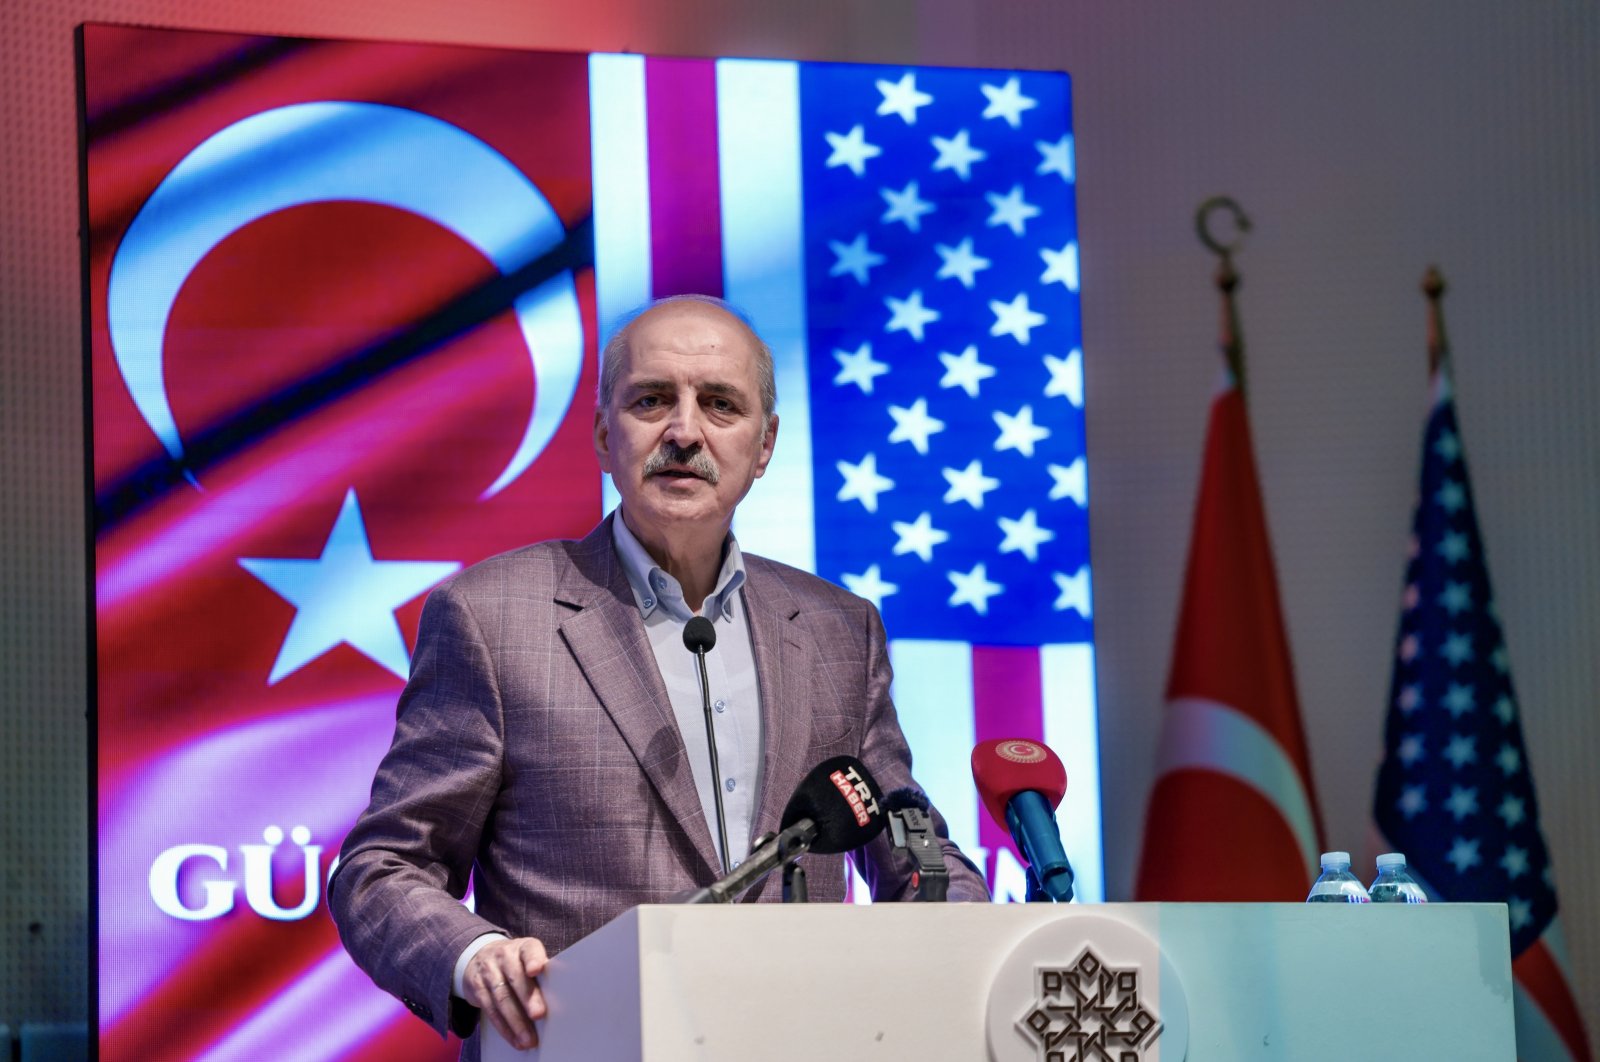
(342,344)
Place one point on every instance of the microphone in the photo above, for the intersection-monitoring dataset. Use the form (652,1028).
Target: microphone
(836,808)
(1021,783)
(699,636)
(911,829)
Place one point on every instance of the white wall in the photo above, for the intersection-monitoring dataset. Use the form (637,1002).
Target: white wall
(1367,139)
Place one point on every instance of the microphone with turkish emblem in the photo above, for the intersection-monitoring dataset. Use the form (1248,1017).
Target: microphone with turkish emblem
(1021,783)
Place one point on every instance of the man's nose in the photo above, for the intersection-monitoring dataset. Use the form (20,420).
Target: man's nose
(686,426)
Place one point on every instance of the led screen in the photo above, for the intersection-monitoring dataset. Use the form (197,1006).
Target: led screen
(345,304)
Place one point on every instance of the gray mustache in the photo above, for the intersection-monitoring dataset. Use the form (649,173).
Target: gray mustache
(693,458)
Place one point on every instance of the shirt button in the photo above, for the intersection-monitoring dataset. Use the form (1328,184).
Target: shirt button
(720,705)
(661,582)
(736,863)
(728,785)
(649,602)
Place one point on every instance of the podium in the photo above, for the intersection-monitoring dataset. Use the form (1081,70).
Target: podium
(1031,983)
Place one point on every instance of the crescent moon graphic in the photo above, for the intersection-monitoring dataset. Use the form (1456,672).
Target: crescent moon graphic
(345,151)
(1020,750)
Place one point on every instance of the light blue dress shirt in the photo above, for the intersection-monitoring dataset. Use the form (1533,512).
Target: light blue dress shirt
(730,673)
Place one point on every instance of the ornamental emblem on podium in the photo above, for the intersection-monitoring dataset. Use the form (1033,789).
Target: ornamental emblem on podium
(1089,1011)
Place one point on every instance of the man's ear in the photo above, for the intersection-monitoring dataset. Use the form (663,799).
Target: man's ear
(767,442)
(602,440)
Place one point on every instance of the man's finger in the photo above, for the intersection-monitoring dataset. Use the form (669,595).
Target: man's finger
(513,1000)
(506,1014)
(534,961)
(491,991)
(534,957)
(537,1008)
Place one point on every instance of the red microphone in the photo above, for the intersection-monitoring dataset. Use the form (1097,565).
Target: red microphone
(1022,783)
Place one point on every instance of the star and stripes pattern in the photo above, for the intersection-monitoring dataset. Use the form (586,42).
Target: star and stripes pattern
(946,365)
(1455,792)
(945,374)
(905,239)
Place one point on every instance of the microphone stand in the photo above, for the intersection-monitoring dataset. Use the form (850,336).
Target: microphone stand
(911,830)
(1051,882)
(771,851)
(711,743)
(794,875)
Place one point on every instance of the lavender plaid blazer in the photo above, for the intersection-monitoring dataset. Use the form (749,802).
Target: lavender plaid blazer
(535,748)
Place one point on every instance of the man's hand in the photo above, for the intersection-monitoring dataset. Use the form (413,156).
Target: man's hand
(501,982)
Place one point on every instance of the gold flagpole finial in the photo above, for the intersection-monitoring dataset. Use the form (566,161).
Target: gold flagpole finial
(1438,346)
(1231,339)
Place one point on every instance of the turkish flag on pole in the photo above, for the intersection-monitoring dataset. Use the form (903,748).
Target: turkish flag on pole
(1233,815)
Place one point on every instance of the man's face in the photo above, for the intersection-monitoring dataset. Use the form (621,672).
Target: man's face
(684,435)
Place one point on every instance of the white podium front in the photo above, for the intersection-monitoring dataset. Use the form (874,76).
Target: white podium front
(1032,983)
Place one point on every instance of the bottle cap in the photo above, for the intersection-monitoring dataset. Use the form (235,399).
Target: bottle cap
(1335,859)
(1391,859)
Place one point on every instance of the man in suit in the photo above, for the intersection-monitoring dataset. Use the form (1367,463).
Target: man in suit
(550,741)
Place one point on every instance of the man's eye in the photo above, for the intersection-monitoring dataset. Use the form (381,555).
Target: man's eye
(648,401)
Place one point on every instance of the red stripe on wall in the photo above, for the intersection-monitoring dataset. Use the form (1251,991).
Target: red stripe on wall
(685,193)
(1007,702)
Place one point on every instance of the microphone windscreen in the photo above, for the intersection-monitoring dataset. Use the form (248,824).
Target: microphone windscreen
(843,800)
(1004,767)
(906,797)
(699,636)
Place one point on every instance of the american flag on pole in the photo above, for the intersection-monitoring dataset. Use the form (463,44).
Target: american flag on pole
(1455,792)
(345,306)
(1232,760)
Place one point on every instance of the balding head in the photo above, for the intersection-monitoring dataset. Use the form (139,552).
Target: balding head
(614,356)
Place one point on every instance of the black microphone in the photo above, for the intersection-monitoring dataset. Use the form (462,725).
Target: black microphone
(699,636)
(911,829)
(836,808)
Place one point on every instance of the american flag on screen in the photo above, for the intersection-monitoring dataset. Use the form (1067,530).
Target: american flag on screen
(1455,792)
(906,239)
(346,301)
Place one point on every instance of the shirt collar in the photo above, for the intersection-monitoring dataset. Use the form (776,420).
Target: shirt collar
(654,588)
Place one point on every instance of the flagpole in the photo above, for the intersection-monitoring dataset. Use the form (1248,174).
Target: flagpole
(1231,339)
(1438,347)
(1453,726)
(1232,755)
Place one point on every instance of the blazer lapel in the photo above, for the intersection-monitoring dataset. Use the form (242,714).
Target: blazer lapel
(784,656)
(608,641)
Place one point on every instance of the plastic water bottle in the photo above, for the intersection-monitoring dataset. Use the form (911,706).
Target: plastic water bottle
(1393,884)
(1336,884)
